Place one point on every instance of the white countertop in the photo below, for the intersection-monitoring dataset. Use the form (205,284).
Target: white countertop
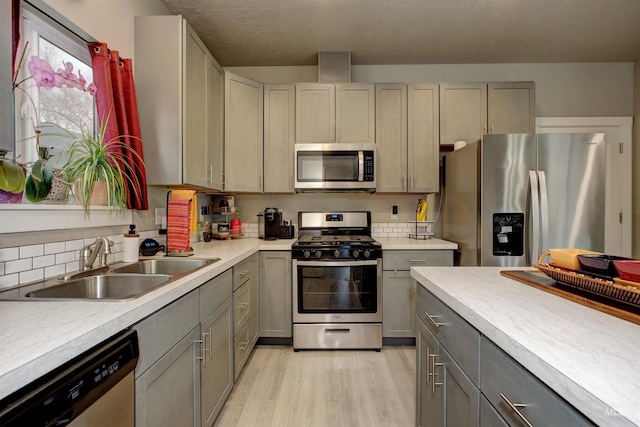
(404,243)
(38,336)
(588,357)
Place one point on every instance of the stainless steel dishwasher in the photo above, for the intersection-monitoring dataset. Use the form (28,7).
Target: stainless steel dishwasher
(94,389)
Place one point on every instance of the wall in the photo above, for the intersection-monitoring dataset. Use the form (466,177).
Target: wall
(636,162)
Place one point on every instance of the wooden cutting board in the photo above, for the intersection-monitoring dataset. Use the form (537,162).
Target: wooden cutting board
(602,303)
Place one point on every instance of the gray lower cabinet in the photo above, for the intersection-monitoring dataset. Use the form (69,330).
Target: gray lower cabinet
(447,360)
(507,385)
(185,370)
(398,289)
(275,294)
(246,313)
(464,379)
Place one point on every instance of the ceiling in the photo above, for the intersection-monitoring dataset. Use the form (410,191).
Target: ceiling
(379,32)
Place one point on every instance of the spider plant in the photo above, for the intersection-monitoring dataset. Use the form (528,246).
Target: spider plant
(92,159)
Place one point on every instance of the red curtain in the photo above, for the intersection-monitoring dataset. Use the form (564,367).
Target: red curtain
(117,106)
(15,27)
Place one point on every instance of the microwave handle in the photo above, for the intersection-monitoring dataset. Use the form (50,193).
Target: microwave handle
(360,166)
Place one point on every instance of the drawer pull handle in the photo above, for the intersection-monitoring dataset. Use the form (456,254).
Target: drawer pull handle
(244,305)
(243,272)
(516,408)
(433,319)
(337,331)
(201,357)
(243,346)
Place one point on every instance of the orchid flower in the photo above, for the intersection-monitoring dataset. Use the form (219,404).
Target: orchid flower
(45,77)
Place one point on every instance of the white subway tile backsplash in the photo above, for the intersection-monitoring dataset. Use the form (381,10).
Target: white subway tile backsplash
(31,251)
(44,261)
(18,266)
(9,254)
(32,275)
(54,248)
(66,257)
(54,270)
(75,245)
(8,280)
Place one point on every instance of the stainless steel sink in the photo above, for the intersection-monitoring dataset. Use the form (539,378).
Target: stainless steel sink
(103,287)
(165,266)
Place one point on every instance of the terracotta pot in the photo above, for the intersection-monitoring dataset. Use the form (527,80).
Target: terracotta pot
(98,195)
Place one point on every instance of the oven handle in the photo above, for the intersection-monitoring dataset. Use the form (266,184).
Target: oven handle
(335,263)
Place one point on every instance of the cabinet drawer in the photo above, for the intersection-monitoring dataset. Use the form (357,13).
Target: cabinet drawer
(163,329)
(242,348)
(460,339)
(241,306)
(215,292)
(503,376)
(244,271)
(404,260)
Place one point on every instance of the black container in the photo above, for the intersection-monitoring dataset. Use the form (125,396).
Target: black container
(150,247)
(602,265)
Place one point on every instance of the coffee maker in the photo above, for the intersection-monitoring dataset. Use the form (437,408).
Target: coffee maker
(273,228)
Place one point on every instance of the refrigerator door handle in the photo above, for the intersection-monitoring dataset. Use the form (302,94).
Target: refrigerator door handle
(535,217)
(544,210)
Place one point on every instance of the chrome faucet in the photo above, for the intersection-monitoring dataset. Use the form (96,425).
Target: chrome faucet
(96,250)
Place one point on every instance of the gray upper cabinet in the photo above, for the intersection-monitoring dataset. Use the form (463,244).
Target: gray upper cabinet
(279,137)
(243,134)
(511,107)
(391,137)
(467,110)
(407,131)
(423,170)
(6,93)
(328,113)
(180,103)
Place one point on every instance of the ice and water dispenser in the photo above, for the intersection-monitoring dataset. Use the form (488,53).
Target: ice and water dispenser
(508,234)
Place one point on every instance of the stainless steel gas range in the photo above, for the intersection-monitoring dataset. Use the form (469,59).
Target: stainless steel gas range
(337,282)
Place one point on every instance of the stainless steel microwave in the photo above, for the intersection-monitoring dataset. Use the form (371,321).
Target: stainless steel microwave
(335,167)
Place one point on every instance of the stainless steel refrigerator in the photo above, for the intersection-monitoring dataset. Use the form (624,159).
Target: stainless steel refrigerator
(510,197)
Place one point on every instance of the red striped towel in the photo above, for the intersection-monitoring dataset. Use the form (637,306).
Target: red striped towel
(178,219)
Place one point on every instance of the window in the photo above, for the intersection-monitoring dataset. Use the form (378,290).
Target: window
(36,107)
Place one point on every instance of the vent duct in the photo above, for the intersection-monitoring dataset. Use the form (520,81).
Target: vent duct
(334,67)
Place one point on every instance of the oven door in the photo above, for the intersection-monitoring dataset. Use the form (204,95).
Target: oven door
(337,291)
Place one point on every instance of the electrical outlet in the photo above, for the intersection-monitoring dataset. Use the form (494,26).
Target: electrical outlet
(160,212)
(394,212)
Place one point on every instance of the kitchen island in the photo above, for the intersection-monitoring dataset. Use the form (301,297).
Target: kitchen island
(587,357)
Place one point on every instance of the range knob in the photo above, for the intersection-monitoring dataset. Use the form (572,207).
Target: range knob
(306,254)
(318,253)
(336,253)
(356,253)
(366,253)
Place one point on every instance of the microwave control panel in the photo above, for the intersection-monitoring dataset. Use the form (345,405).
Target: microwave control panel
(368,166)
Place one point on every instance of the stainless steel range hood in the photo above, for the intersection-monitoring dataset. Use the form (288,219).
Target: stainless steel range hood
(334,67)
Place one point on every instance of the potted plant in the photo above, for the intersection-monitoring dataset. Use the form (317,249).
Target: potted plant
(95,165)
(12,180)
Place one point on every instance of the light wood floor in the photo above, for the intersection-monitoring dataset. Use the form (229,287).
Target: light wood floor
(280,387)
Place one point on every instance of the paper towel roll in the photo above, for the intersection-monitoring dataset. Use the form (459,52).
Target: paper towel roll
(131,248)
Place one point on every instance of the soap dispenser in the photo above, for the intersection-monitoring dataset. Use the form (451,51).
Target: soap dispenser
(131,245)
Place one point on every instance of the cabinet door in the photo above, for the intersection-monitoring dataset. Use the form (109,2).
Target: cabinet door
(429,399)
(215,119)
(391,137)
(6,106)
(217,361)
(243,134)
(166,394)
(463,112)
(398,304)
(355,113)
(422,132)
(254,298)
(461,397)
(279,138)
(195,133)
(275,294)
(315,113)
(511,107)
